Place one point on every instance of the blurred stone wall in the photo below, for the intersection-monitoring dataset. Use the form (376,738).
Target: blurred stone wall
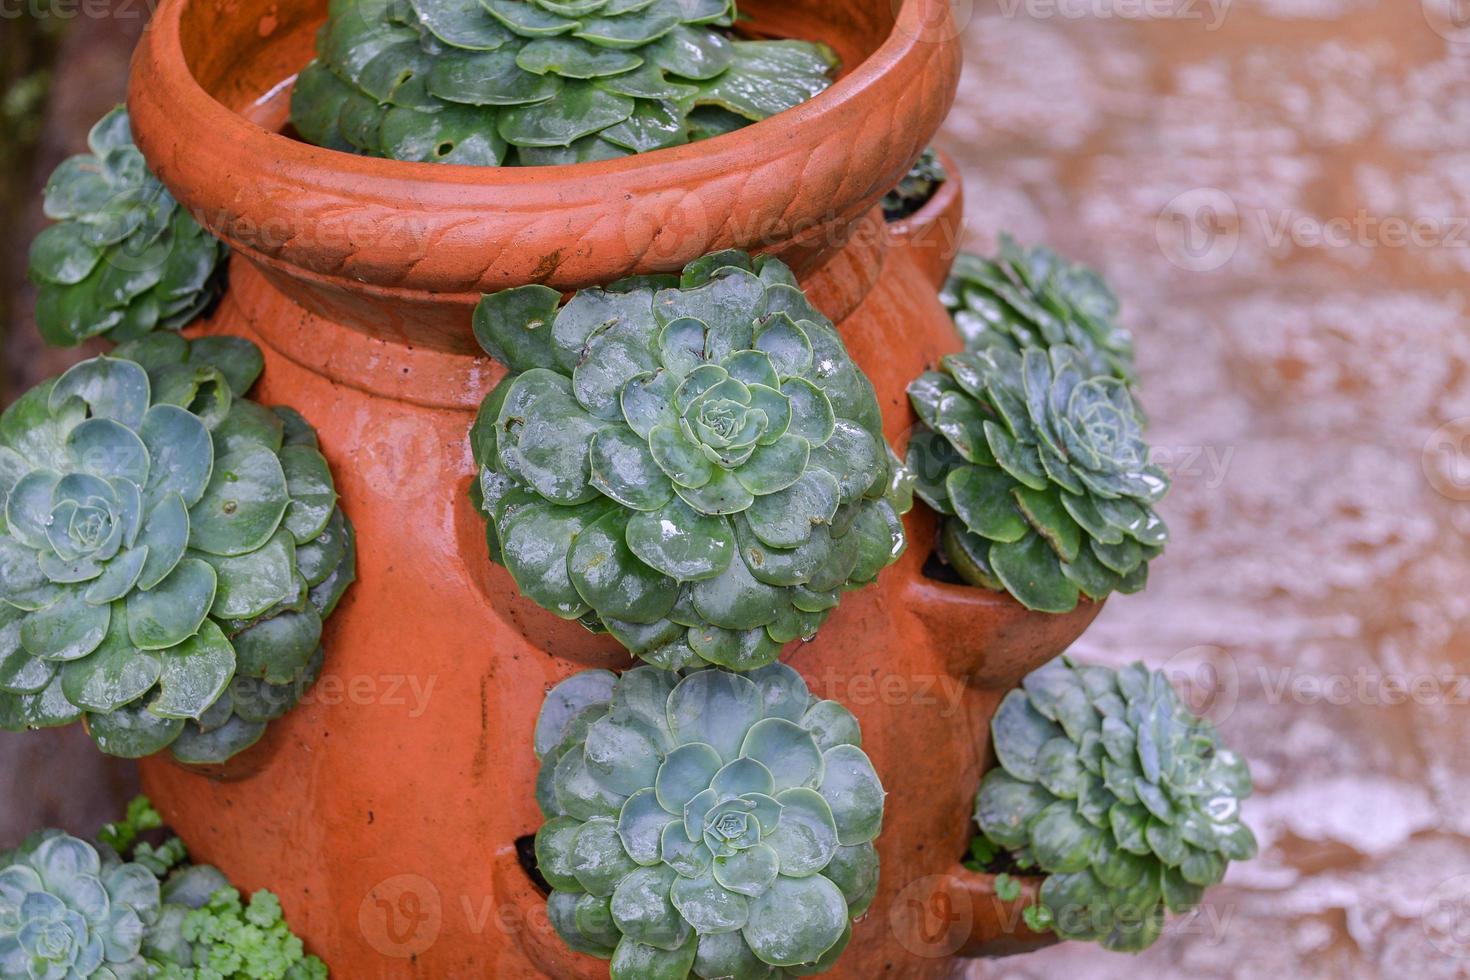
(1280,191)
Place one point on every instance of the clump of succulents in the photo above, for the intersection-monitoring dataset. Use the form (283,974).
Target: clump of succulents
(72,911)
(124,258)
(705,823)
(1035,298)
(67,911)
(1041,470)
(541,82)
(693,464)
(1114,789)
(916,188)
(168,551)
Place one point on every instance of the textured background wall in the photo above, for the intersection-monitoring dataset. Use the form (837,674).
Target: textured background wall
(1280,190)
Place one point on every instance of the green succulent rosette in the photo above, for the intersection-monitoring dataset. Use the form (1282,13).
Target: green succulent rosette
(168,551)
(693,464)
(541,82)
(1035,298)
(123,259)
(705,823)
(68,912)
(1116,791)
(1042,473)
(916,188)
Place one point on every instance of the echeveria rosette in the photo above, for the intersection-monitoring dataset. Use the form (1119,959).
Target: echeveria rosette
(1042,472)
(168,550)
(705,823)
(70,913)
(1116,791)
(1035,298)
(541,82)
(123,258)
(693,464)
(917,187)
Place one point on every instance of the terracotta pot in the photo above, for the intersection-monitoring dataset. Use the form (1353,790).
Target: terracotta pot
(386,811)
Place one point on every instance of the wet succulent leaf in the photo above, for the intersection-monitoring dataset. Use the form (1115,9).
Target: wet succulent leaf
(243,504)
(781,939)
(195,673)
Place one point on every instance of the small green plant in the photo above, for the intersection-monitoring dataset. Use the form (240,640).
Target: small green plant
(124,258)
(168,551)
(1042,473)
(541,82)
(1007,889)
(916,188)
(1120,795)
(1035,298)
(706,824)
(211,934)
(693,464)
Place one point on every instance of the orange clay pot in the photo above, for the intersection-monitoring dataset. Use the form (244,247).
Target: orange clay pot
(386,810)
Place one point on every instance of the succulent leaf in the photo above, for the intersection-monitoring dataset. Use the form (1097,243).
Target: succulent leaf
(124,259)
(166,554)
(1146,836)
(524,82)
(736,835)
(684,466)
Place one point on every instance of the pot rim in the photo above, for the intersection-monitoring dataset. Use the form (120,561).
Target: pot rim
(795,182)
